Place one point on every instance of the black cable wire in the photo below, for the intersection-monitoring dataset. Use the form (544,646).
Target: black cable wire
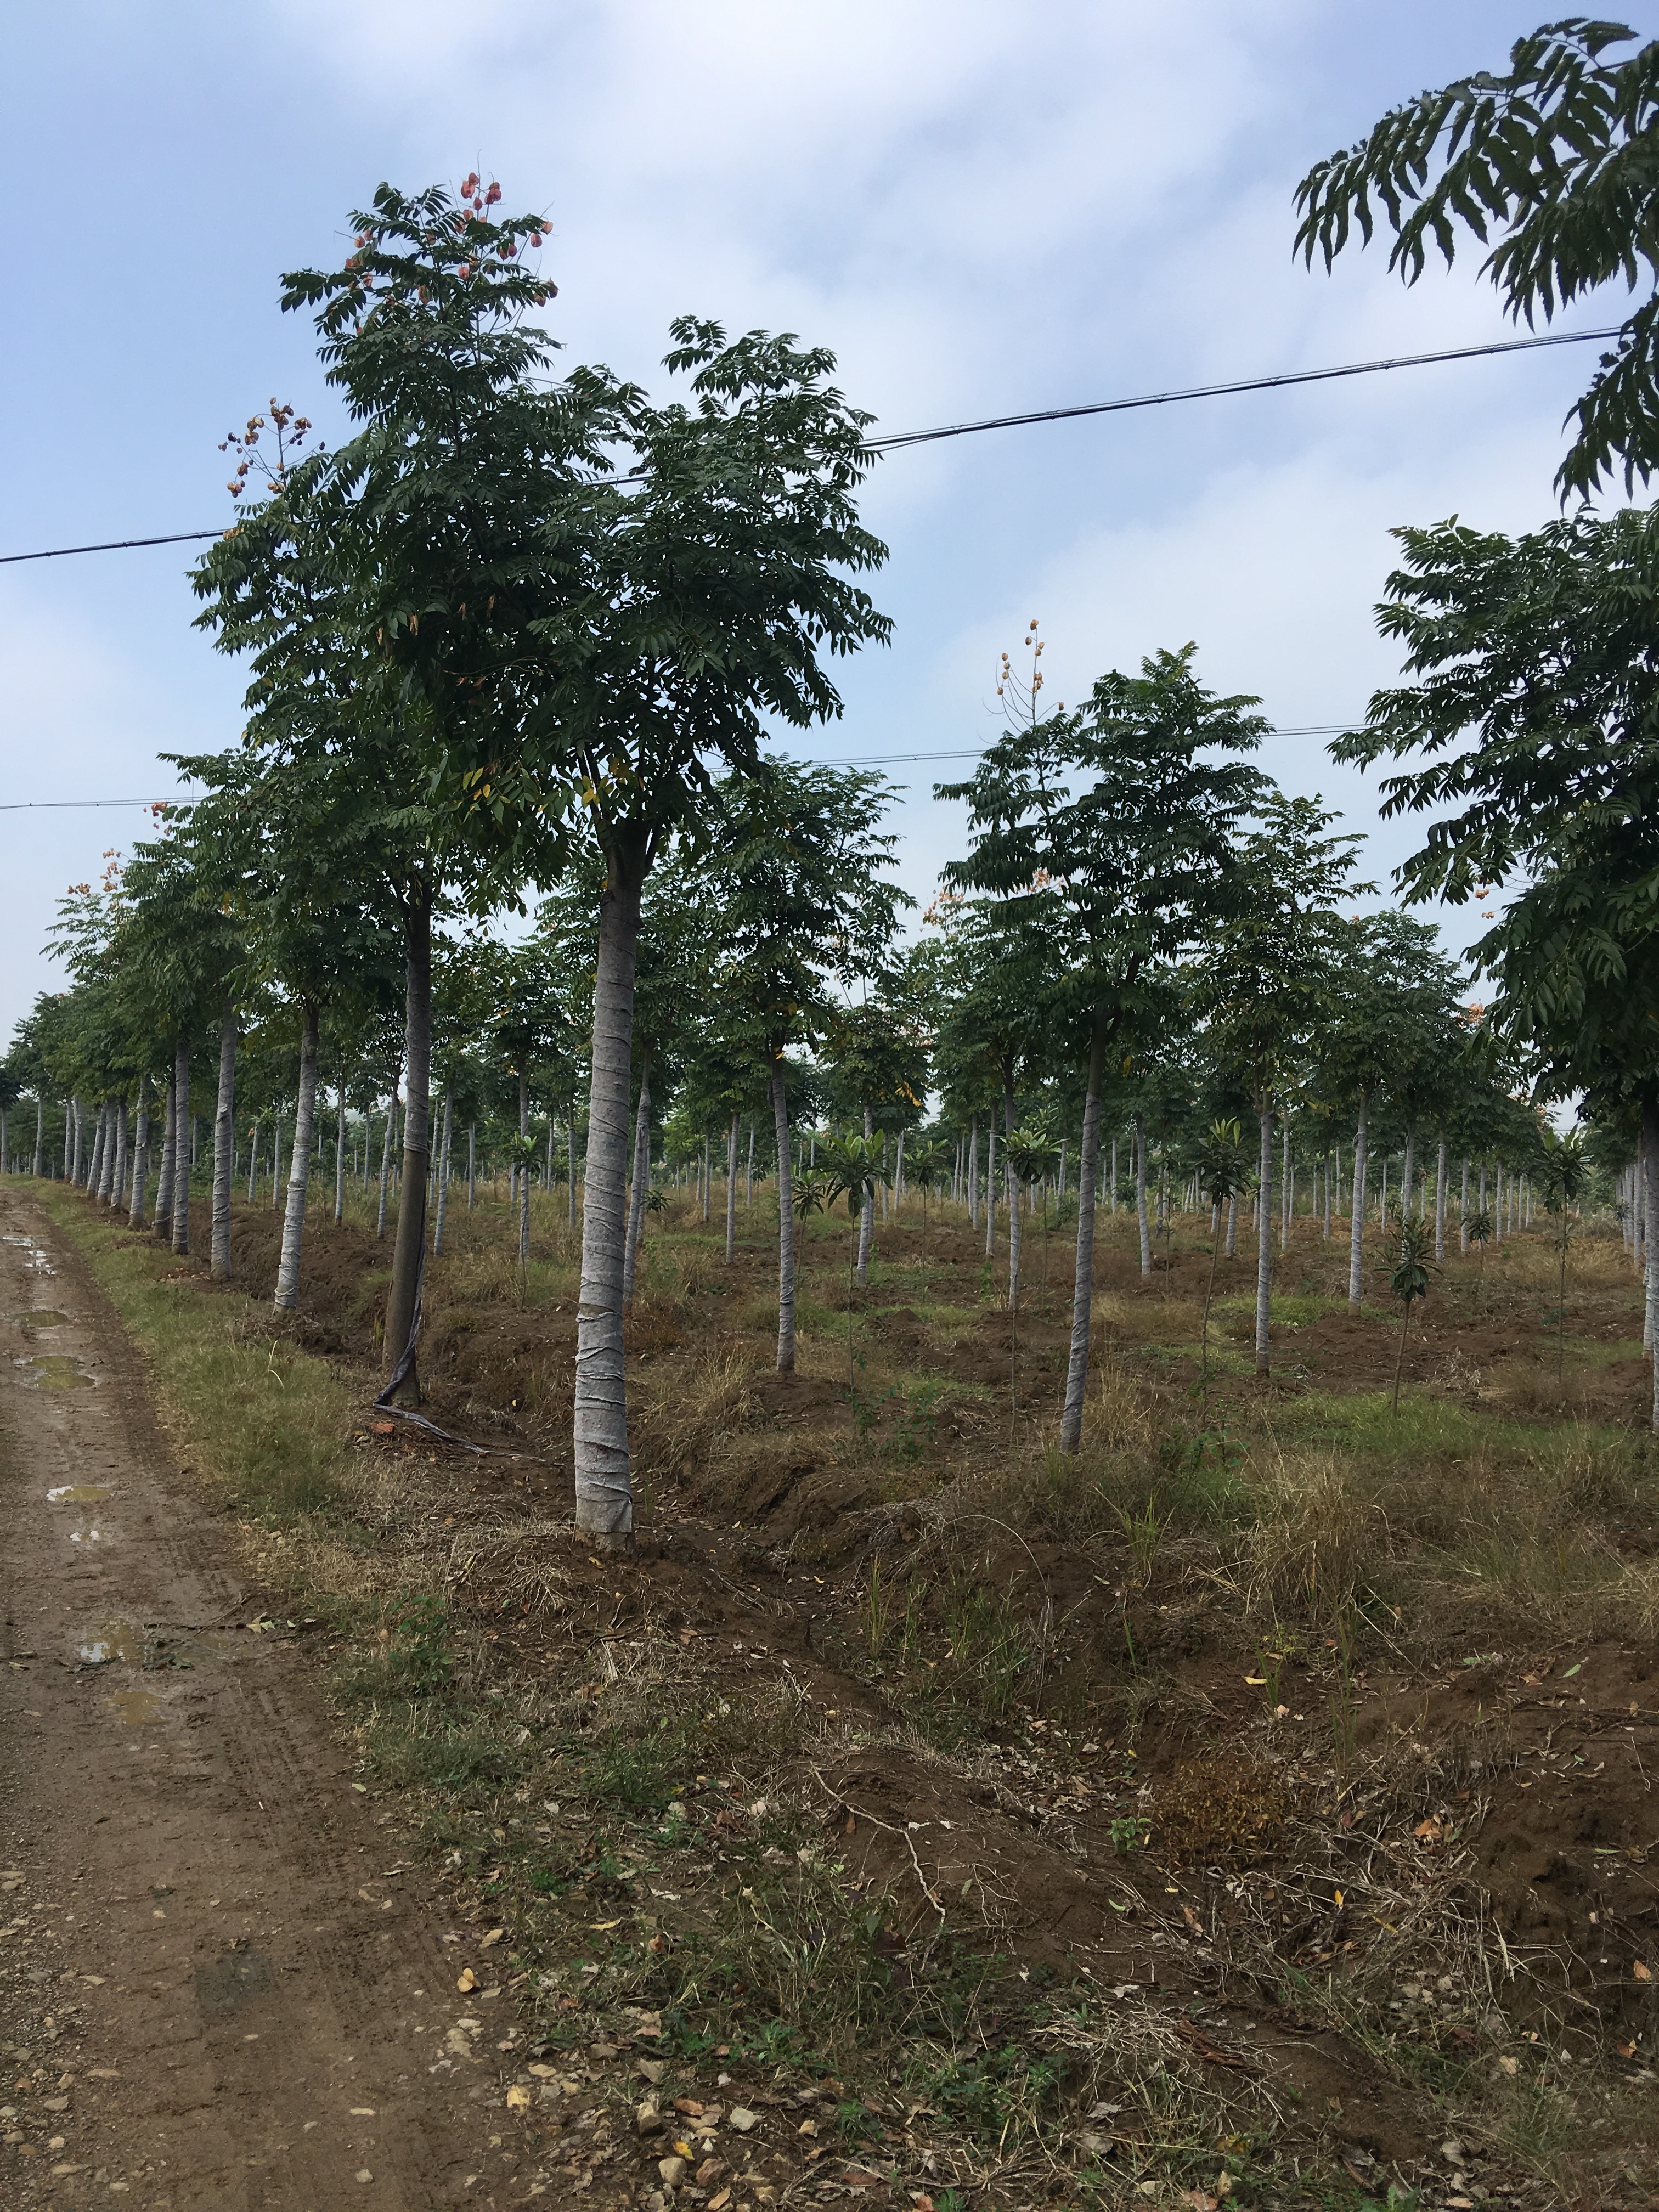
(903,438)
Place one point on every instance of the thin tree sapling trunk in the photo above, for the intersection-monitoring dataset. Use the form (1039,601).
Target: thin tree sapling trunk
(181,1146)
(605,1502)
(294,1213)
(443,1163)
(1650,1229)
(224,1145)
(731,1192)
(118,1183)
(1440,1199)
(786,1223)
(402,1298)
(1357,1226)
(472,1165)
(990,1182)
(162,1218)
(867,1212)
(386,1152)
(641,1184)
(1077,1366)
(339,1148)
(1264,1243)
(1013,1194)
(1140,1195)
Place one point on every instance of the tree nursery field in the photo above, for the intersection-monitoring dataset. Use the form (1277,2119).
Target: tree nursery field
(1255,1807)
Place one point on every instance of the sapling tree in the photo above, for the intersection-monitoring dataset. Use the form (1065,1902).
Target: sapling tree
(1223,1173)
(1268,974)
(1409,1278)
(1566,1173)
(798,862)
(1110,832)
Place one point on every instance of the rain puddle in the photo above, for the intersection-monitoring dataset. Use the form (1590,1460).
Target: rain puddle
(33,1255)
(135,1707)
(56,1370)
(117,1643)
(38,1317)
(78,1493)
(86,1535)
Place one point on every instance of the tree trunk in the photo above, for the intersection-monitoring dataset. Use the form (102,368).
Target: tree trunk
(1650,1229)
(972,1171)
(340,1134)
(749,1187)
(1357,1227)
(867,1212)
(707,1175)
(162,1218)
(990,1182)
(518,1181)
(74,1174)
(403,1304)
(181,1146)
(1112,1204)
(605,1504)
(1264,1244)
(443,1163)
(96,1155)
(140,1154)
(641,1181)
(786,1223)
(224,1145)
(294,1214)
(118,1182)
(731,1192)
(1077,1368)
(1440,1199)
(472,1165)
(898,1173)
(1140,1195)
(1013,1177)
(39,1134)
(386,1152)
(1232,1226)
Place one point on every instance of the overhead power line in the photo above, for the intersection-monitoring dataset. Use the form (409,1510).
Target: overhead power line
(902,439)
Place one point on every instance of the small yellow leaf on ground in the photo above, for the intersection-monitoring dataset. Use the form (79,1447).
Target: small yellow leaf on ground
(1642,1973)
(518,2099)
(466,1979)
(494,1936)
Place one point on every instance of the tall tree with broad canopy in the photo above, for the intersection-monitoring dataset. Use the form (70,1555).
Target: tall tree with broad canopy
(382,591)
(1533,725)
(796,869)
(1269,973)
(697,593)
(1551,167)
(1114,828)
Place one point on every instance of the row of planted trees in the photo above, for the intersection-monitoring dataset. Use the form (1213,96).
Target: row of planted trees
(517,647)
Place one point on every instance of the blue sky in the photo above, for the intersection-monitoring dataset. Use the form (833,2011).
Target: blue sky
(979,208)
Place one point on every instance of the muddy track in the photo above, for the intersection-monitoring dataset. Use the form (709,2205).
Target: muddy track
(216,1989)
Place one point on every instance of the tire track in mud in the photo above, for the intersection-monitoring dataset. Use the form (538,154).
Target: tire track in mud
(213,1996)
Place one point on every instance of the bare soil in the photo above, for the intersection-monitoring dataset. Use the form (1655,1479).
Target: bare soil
(218,1987)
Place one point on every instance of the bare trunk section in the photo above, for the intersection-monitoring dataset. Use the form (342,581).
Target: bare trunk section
(1264,1254)
(339,1149)
(1357,1227)
(1651,1228)
(519,1183)
(224,1143)
(1076,1370)
(731,1193)
(1013,1194)
(294,1213)
(973,1172)
(163,1215)
(181,1146)
(119,1186)
(403,1305)
(443,1164)
(867,1212)
(641,1186)
(1440,1199)
(605,1502)
(1140,1195)
(386,1152)
(786,1224)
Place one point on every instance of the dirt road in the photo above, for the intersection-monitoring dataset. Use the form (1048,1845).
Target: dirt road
(217,1987)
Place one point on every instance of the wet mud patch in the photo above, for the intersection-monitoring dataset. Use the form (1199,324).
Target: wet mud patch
(136,1708)
(79,1493)
(56,1370)
(38,1317)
